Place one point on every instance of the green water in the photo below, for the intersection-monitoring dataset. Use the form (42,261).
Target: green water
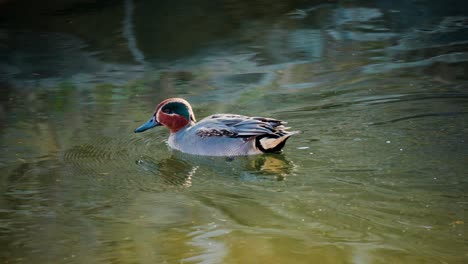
(378,174)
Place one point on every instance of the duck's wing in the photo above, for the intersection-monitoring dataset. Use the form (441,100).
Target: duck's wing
(240,126)
(269,135)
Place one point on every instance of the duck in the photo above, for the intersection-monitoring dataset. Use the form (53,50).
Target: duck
(218,134)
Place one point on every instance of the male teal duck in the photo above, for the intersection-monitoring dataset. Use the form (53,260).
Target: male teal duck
(219,134)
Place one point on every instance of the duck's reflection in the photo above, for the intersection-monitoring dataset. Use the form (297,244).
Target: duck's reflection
(274,165)
(169,171)
(182,169)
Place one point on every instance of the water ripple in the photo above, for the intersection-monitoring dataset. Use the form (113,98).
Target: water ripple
(443,114)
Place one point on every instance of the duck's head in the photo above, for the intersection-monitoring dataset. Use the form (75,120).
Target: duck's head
(174,113)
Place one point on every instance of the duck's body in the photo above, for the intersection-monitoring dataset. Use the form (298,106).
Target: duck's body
(219,134)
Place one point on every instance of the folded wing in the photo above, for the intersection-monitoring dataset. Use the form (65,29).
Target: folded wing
(270,134)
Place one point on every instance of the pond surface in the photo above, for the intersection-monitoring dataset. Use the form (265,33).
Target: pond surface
(378,89)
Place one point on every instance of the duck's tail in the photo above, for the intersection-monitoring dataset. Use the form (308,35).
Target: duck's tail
(273,143)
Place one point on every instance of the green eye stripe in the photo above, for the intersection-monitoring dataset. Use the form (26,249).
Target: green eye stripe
(178,108)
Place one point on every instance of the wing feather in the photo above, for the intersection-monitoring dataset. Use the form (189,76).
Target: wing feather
(239,126)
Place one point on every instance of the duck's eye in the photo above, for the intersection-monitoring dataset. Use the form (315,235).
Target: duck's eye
(167,110)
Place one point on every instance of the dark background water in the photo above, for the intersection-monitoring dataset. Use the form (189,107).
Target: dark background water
(378,88)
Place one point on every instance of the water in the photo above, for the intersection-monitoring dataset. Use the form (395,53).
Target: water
(378,175)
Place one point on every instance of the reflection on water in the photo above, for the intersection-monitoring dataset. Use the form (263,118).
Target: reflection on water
(180,169)
(377,176)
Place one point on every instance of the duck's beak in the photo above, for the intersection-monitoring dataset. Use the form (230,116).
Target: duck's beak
(150,124)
